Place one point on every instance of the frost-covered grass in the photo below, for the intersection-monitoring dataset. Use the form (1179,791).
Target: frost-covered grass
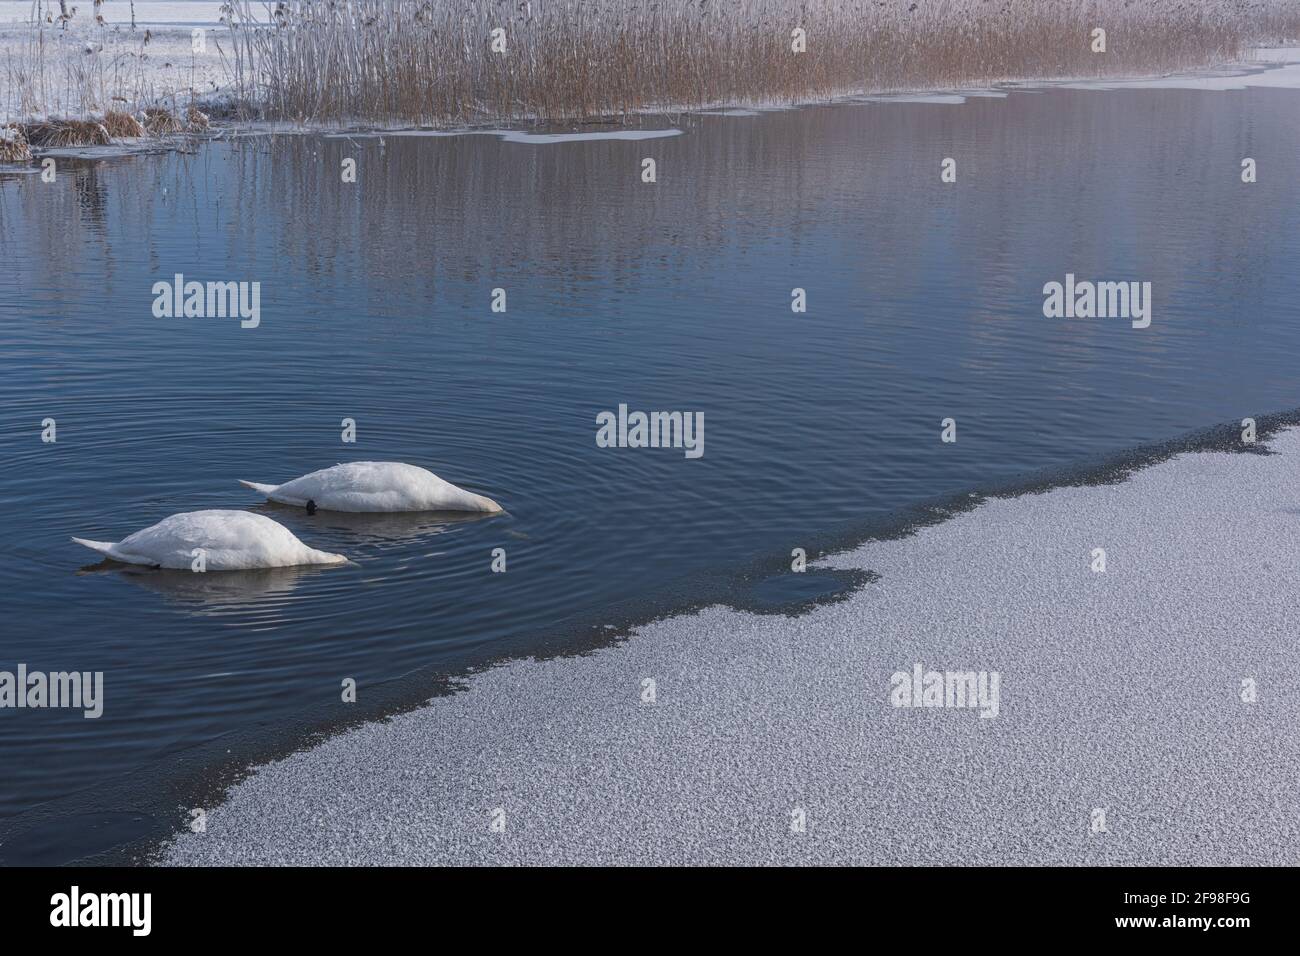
(86,68)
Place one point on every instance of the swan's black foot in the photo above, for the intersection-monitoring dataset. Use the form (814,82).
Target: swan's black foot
(311,507)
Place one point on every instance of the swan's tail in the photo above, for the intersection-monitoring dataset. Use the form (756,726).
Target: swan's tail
(261,489)
(103,547)
(109,550)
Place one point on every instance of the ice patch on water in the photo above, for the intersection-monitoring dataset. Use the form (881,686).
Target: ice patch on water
(1199,534)
(947,99)
(1275,68)
(515,136)
(1281,70)
(940,97)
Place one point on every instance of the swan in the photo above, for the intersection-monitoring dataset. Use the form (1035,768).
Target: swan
(231,540)
(371,486)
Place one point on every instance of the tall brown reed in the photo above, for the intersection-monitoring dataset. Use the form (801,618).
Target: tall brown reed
(434,62)
(430,61)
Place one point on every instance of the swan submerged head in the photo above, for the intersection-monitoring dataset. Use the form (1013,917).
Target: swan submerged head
(375,486)
(214,540)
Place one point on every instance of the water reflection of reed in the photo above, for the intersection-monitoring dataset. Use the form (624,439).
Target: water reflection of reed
(478,210)
(433,215)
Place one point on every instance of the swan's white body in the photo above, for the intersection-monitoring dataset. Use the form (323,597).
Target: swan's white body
(375,486)
(231,541)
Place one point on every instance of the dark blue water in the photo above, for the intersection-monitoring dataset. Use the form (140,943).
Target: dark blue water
(924,302)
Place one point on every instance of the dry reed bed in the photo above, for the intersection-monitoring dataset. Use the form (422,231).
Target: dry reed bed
(121,125)
(14,147)
(54,134)
(431,61)
(18,139)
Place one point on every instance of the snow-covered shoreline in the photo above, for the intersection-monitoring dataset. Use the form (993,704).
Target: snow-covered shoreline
(1147,713)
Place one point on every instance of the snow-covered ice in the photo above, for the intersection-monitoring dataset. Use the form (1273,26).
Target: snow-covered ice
(1121,692)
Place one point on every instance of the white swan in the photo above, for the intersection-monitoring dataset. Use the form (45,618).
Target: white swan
(374,486)
(230,540)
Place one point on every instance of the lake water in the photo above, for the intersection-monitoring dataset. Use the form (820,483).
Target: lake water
(924,301)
